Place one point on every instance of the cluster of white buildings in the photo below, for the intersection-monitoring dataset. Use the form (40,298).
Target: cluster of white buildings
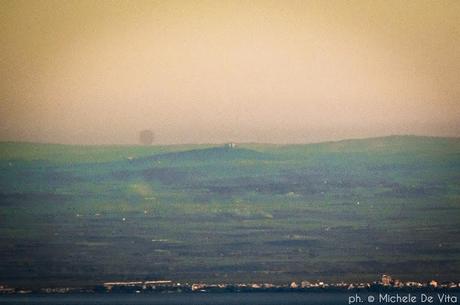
(109,286)
(166,285)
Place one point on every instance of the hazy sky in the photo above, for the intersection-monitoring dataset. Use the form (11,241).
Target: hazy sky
(219,71)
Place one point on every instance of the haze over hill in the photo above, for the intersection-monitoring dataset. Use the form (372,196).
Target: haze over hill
(220,71)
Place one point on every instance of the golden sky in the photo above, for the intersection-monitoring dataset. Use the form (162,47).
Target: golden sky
(219,71)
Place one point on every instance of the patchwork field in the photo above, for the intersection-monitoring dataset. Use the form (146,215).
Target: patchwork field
(348,210)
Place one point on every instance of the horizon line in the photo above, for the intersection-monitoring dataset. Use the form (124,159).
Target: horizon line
(238,143)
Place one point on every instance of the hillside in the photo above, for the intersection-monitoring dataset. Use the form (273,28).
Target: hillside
(338,210)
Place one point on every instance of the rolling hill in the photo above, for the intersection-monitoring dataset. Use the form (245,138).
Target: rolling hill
(353,209)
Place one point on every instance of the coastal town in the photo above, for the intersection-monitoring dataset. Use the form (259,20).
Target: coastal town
(385,283)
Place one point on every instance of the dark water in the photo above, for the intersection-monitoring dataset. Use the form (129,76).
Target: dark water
(290,298)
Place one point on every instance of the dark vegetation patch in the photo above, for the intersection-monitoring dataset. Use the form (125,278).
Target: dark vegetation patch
(295,243)
(221,154)
(33,197)
(167,175)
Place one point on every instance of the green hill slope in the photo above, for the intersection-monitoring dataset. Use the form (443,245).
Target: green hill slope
(354,209)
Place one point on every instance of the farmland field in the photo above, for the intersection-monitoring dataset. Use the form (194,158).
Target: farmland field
(348,210)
